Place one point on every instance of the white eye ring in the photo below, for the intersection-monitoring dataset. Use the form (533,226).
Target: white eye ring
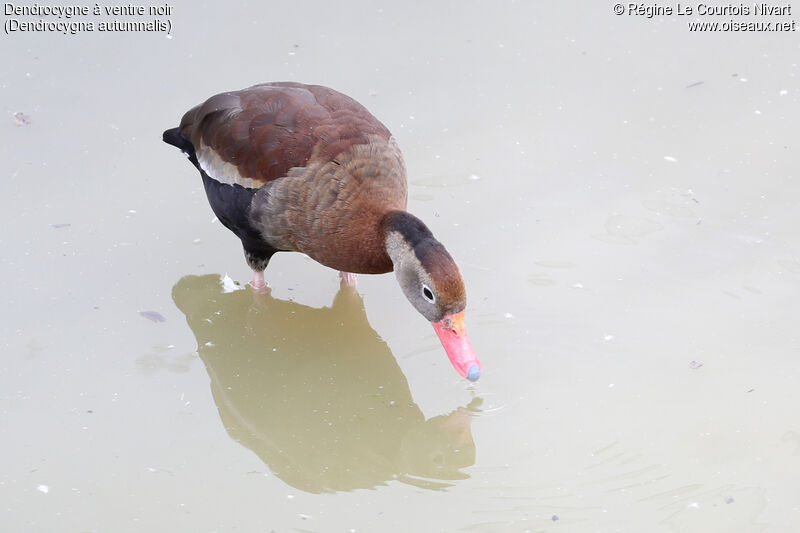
(428,294)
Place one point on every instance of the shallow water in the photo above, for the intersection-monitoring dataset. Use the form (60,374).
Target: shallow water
(622,196)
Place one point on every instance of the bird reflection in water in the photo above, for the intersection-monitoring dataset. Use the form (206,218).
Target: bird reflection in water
(317,394)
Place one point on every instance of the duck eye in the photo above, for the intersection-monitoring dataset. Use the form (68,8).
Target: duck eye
(428,293)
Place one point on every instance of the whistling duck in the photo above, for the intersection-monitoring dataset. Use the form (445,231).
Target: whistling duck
(304,168)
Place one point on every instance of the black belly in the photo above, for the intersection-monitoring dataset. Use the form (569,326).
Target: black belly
(231,204)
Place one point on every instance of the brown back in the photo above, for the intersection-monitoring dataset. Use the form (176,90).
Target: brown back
(267,129)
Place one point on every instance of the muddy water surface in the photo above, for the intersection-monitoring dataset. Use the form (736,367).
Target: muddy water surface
(622,196)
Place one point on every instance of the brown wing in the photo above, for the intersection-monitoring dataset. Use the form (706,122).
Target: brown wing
(257,134)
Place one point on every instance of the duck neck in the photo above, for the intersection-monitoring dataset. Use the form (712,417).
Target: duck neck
(403,232)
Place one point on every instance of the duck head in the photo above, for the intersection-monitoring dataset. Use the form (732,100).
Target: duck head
(432,282)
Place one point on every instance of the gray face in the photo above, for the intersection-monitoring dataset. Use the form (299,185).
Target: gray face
(433,291)
(418,288)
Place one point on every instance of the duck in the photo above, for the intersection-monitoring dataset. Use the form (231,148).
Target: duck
(290,167)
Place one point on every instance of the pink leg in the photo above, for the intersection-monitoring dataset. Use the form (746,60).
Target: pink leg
(257,283)
(348,279)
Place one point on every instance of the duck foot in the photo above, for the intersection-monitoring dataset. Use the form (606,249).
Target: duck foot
(257,283)
(348,279)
